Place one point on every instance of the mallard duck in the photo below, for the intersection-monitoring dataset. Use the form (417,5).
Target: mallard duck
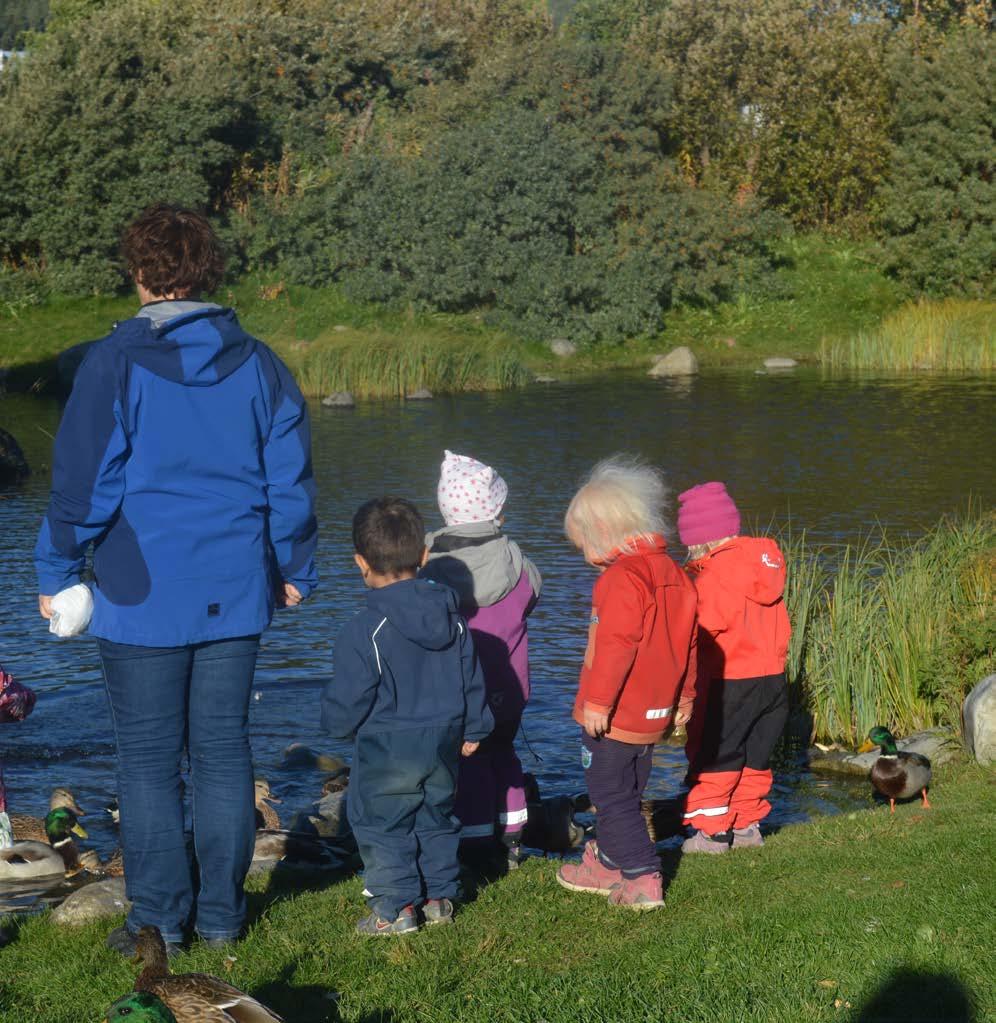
(266,816)
(60,826)
(113,867)
(191,997)
(27,828)
(139,1007)
(897,774)
(25,860)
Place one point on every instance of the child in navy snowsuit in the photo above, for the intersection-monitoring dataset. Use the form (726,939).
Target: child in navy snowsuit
(409,689)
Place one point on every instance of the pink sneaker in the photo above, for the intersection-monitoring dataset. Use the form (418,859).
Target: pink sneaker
(643,892)
(590,875)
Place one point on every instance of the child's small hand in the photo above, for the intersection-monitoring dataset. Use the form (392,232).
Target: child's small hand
(596,722)
(681,719)
(468,749)
(45,606)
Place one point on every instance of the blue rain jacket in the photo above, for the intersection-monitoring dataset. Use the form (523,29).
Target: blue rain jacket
(406,662)
(184,456)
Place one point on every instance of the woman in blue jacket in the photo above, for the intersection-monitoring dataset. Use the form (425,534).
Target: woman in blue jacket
(184,458)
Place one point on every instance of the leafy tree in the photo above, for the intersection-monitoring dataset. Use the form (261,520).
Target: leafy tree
(18,17)
(938,207)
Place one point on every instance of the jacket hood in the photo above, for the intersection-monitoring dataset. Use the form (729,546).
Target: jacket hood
(420,610)
(477,561)
(191,343)
(752,566)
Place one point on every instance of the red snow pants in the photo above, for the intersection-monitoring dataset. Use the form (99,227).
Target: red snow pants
(731,737)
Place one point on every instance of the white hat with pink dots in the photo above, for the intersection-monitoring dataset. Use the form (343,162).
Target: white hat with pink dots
(469,491)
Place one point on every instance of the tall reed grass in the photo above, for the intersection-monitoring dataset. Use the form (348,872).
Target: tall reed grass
(891,634)
(396,366)
(954,335)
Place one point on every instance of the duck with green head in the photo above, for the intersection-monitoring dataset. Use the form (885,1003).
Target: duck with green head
(60,826)
(897,774)
(139,1007)
(31,828)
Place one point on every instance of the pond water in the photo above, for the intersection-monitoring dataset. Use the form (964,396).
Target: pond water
(834,456)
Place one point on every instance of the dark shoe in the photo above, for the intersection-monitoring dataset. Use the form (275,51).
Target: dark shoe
(513,857)
(438,911)
(123,941)
(404,924)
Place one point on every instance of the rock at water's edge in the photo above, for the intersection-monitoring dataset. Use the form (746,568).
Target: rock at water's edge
(422,394)
(13,465)
(100,899)
(679,362)
(340,399)
(978,721)
(778,362)
(563,348)
(542,378)
(936,744)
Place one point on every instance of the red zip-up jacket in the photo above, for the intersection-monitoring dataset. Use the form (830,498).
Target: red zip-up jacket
(640,659)
(742,617)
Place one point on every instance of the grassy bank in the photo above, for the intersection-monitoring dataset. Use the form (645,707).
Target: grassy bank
(892,632)
(857,918)
(827,305)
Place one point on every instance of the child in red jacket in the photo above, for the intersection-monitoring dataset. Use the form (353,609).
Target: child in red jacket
(638,675)
(742,703)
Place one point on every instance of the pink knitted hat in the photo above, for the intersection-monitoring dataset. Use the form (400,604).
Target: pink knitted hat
(469,491)
(706,513)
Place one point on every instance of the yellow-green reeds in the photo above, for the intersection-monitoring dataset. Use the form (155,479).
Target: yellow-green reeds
(888,633)
(952,335)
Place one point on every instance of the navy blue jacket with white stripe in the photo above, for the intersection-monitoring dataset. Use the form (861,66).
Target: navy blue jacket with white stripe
(406,661)
(184,457)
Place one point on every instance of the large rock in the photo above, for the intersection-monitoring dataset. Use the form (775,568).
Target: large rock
(326,818)
(779,362)
(679,362)
(13,465)
(563,348)
(936,744)
(422,394)
(93,901)
(978,721)
(340,399)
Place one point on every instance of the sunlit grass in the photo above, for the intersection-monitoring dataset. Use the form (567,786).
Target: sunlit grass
(952,335)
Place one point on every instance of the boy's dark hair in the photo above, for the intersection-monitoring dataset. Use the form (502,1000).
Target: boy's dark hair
(173,250)
(390,534)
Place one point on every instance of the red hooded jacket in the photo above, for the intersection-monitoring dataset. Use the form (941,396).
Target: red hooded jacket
(744,627)
(641,644)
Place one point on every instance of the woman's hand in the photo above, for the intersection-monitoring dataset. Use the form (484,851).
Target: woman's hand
(290,596)
(596,722)
(45,606)
(468,749)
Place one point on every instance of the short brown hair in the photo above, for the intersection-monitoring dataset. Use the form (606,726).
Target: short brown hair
(171,250)
(390,534)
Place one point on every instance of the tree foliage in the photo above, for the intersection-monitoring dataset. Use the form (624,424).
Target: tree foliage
(939,205)
(18,17)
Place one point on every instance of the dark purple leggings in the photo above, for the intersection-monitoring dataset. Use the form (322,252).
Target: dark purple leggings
(616,774)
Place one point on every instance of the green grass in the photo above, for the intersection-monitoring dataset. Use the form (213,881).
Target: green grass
(892,633)
(954,335)
(827,304)
(827,918)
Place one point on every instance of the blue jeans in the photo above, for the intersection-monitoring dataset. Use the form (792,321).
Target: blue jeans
(165,700)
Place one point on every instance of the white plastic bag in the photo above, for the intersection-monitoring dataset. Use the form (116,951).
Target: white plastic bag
(72,610)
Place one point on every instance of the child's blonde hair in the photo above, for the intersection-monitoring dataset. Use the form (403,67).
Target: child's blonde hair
(622,500)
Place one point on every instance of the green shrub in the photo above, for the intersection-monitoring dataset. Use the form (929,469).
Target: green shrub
(938,208)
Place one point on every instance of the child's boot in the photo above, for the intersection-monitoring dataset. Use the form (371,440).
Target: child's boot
(643,892)
(746,838)
(590,875)
(700,842)
(374,925)
(438,911)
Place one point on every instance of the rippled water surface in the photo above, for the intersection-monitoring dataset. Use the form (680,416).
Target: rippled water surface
(834,456)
